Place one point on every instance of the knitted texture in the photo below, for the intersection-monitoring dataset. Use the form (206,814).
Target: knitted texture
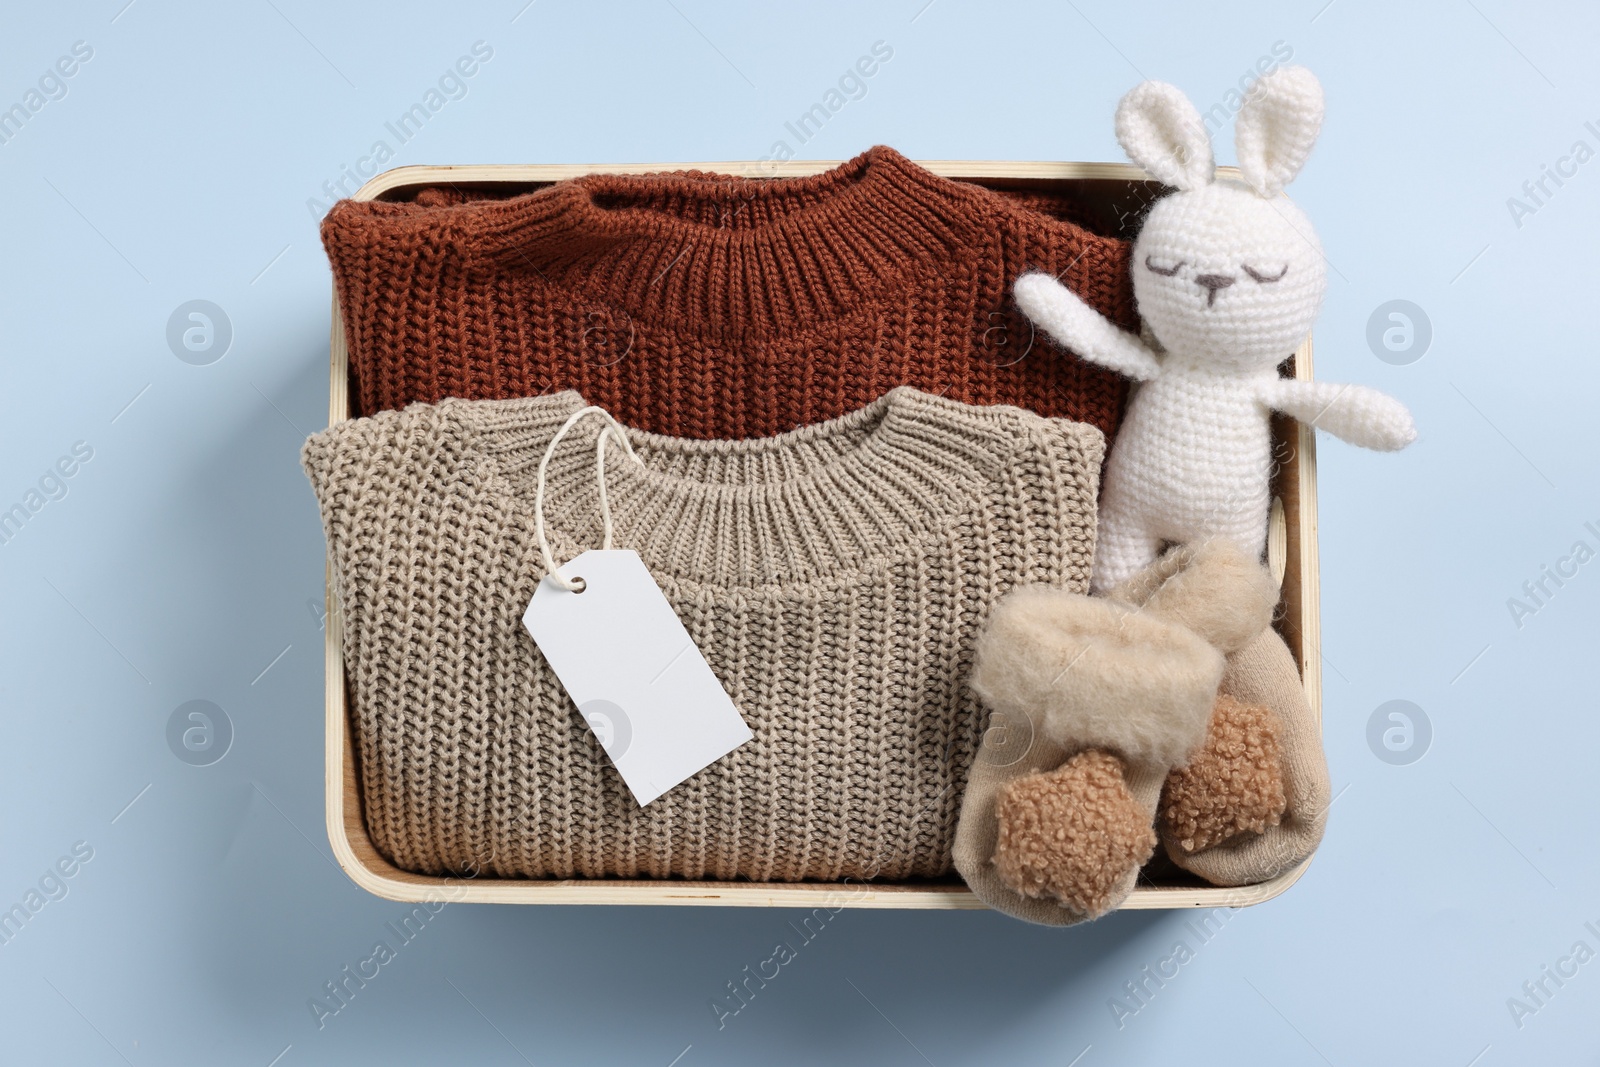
(1229,278)
(834,577)
(715,307)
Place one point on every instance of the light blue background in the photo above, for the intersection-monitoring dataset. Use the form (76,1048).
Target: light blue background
(187,554)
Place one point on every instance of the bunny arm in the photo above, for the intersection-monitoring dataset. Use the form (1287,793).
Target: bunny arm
(1353,413)
(1074,324)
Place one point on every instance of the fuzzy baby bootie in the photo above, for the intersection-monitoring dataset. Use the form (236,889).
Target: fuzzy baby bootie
(1216,818)
(1112,694)
(1252,802)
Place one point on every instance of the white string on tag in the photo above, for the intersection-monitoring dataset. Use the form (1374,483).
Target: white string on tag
(612,428)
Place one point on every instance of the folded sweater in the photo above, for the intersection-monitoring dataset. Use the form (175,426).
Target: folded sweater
(709,306)
(834,577)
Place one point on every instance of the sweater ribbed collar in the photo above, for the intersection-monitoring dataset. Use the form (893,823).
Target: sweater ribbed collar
(718,255)
(828,499)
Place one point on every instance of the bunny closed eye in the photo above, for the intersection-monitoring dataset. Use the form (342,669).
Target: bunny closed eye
(1264,277)
(1165,272)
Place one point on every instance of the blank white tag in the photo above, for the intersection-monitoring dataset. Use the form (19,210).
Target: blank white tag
(634,672)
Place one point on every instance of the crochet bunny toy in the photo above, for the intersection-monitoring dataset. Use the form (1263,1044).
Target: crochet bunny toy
(1229,277)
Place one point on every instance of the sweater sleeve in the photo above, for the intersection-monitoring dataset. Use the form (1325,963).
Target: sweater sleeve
(332,458)
(1067,456)
(354,454)
(372,477)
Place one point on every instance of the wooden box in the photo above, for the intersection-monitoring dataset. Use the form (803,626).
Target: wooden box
(1114,195)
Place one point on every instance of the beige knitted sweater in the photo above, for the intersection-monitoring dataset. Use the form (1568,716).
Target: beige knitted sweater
(834,577)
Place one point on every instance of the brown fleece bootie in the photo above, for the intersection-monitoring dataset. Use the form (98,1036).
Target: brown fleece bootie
(1233,786)
(1235,769)
(1073,833)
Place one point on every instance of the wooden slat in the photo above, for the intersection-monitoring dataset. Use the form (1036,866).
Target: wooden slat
(1295,484)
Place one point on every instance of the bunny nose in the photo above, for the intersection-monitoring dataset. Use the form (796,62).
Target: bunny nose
(1211,283)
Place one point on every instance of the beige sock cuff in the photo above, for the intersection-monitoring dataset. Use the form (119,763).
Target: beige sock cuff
(1212,588)
(1090,672)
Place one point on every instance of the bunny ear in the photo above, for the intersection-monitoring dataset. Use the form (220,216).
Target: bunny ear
(1276,127)
(1162,132)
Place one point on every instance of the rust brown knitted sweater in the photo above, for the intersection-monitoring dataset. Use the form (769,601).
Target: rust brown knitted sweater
(708,306)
